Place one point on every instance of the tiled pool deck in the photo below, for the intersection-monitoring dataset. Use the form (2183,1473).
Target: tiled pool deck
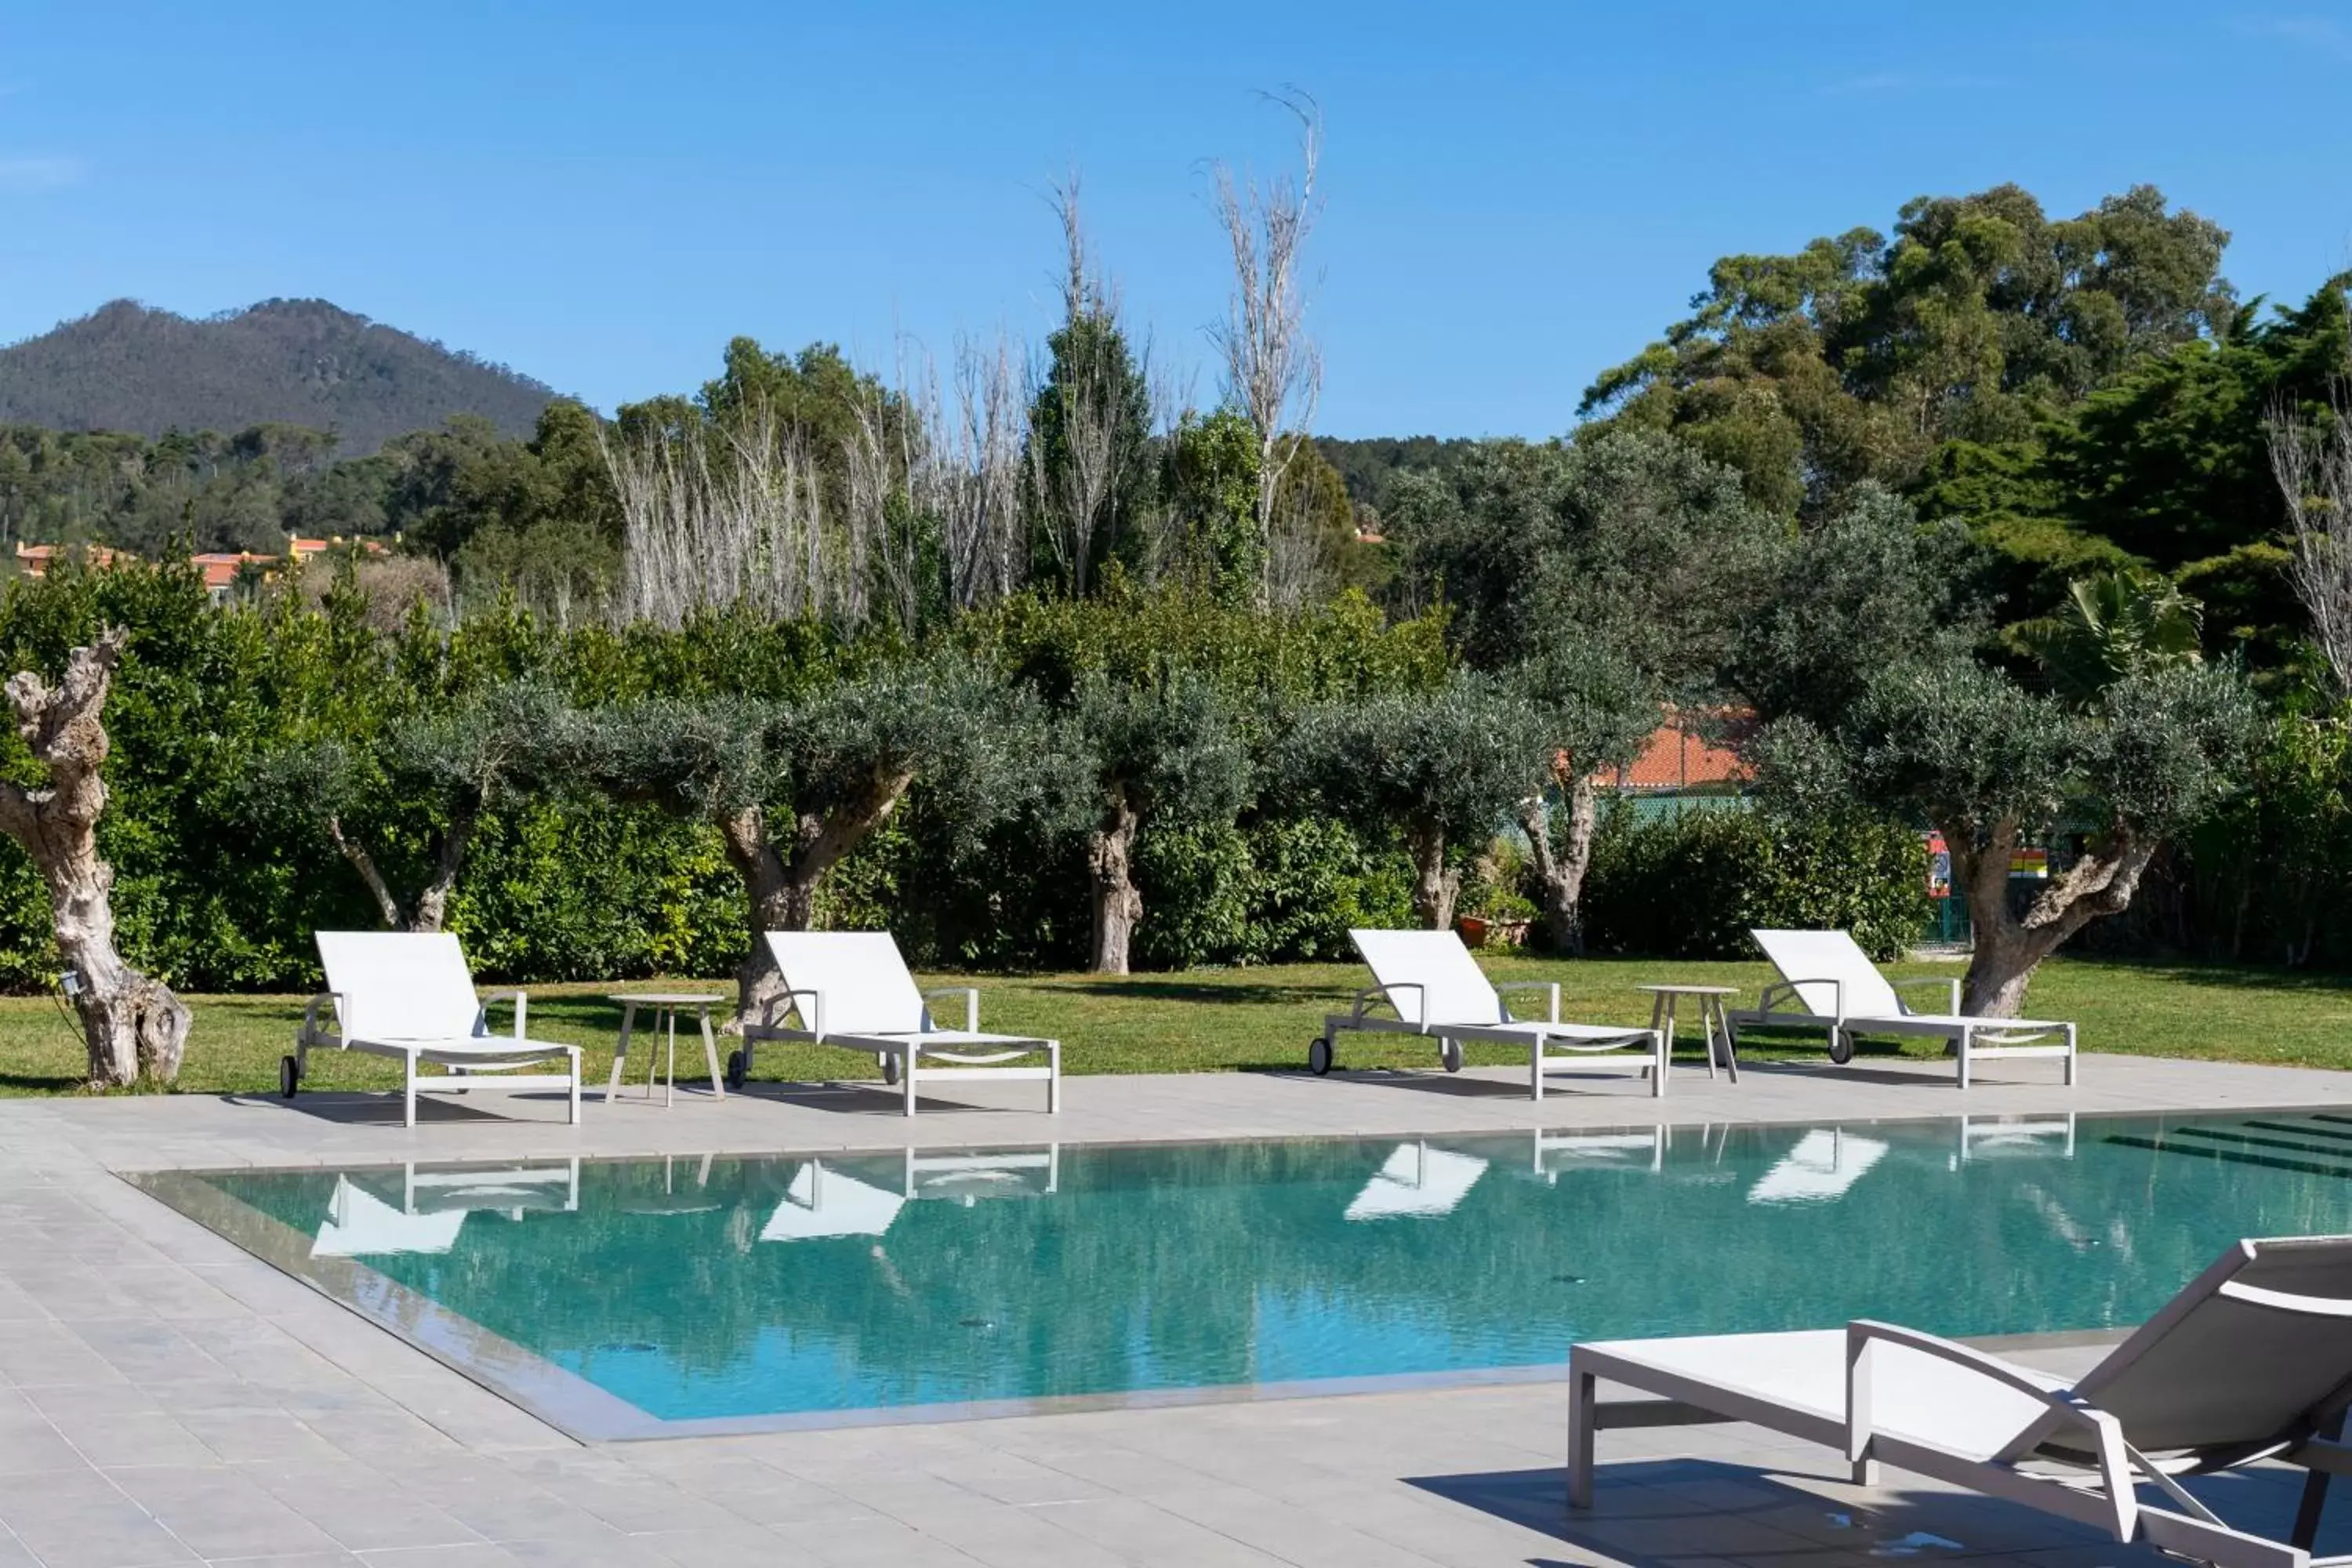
(165,1398)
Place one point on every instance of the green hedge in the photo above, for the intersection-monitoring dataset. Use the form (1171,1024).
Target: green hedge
(217,891)
(1691,886)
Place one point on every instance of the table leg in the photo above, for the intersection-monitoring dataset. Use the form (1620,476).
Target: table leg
(1730,1042)
(711,1055)
(669,1074)
(621,1052)
(1657,1015)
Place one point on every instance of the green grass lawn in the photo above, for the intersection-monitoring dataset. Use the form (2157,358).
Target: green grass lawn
(1242,1018)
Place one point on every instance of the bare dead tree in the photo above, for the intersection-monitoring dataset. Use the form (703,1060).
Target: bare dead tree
(1272,370)
(713,519)
(967,470)
(1075,464)
(2313,468)
(132,1023)
(871,467)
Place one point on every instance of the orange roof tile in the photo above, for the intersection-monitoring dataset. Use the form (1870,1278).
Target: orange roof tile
(1675,757)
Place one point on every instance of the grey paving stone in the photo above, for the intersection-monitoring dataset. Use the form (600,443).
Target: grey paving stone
(97,1534)
(108,1439)
(259,1416)
(360,1506)
(482,1556)
(219,1513)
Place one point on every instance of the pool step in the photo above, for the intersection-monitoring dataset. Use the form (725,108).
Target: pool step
(2310,1148)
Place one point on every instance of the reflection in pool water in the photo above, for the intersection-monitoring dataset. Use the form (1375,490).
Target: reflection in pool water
(735,1287)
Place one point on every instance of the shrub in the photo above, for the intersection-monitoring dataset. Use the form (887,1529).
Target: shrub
(1264,892)
(1691,886)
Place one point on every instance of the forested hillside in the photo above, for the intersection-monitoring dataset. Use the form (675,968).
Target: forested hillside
(125,367)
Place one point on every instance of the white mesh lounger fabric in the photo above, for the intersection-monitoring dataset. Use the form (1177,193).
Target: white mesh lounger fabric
(2251,1361)
(409,996)
(1828,982)
(853,989)
(1431,985)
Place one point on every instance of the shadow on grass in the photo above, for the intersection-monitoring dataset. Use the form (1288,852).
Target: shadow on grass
(1253,992)
(2233,976)
(39,1083)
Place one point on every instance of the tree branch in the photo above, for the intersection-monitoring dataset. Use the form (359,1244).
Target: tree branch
(364,864)
(825,837)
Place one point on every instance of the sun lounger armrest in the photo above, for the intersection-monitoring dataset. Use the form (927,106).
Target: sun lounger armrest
(1365,998)
(2287,1301)
(1783,990)
(514,993)
(971,994)
(1950,984)
(1552,987)
(2116,1471)
(314,1035)
(773,1011)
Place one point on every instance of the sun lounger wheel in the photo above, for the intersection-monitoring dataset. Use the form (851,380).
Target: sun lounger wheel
(889,1067)
(1450,1053)
(287,1077)
(1318,1054)
(736,1071)
(1840,1047)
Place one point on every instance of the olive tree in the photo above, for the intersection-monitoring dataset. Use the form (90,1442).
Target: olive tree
(793,786)
(1444,768)
(401,805)
(1165,748)
(1866,664)
(133,1025)
(1602,579)
(1994,766)
(1591,710)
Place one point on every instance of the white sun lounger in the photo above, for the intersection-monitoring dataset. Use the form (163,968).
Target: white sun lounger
(434,1204)
(847,1196)
(409,996)
(852,989)
(1828,982)
(2251,1361)
(1433,987)
(1417,1181)
(1823,1168)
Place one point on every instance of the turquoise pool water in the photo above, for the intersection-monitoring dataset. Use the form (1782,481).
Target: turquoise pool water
(772,1286)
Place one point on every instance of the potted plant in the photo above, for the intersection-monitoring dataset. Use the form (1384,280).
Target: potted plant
(1499,918)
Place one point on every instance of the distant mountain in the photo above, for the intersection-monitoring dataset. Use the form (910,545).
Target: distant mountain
(295,361)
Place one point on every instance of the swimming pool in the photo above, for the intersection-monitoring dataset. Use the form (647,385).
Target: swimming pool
(637,1297)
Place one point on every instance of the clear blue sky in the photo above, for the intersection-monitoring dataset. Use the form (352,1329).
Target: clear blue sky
(601,195)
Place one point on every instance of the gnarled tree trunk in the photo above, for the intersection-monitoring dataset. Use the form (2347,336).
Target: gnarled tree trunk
(769,901)
(1118,903)
(1434,882)
(133,1025)
(2009,947)
(1561,872)
(779,893)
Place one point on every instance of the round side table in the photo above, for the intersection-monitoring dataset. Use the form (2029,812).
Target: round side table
(665,1005)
